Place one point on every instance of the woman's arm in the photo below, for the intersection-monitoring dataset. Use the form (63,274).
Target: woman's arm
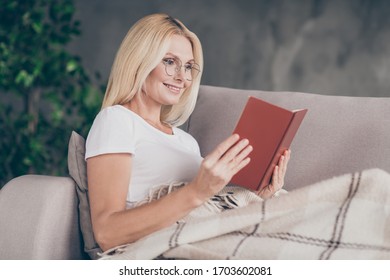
(109,176)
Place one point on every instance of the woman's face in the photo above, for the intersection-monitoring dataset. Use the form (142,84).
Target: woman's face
(167,89)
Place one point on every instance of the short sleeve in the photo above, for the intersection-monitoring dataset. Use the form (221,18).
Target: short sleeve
(112,132)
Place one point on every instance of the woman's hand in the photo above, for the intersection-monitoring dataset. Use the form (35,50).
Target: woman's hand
(277,181)
(220,166)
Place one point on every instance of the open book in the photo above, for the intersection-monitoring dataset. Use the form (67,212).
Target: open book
(270,129)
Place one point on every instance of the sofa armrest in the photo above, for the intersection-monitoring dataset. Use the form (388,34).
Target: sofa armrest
(39,219)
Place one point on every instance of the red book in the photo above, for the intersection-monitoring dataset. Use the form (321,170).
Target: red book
(270,129)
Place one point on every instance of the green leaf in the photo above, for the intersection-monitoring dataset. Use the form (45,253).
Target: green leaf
(71,66)
(38,27)
(24,79)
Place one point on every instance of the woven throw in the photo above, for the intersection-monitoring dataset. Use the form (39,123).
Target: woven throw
(345,217)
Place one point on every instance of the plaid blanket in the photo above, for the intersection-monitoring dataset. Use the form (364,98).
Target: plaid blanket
(346,217)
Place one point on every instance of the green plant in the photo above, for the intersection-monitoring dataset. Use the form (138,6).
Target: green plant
(45,91)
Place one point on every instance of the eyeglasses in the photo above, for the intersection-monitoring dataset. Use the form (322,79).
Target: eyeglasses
(173,66)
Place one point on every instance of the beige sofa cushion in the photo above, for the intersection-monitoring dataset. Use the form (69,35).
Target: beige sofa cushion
(78,171)
(338,135)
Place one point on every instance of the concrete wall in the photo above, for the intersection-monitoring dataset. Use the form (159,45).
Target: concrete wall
(335,47)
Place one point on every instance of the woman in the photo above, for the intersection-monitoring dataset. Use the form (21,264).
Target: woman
(134,143)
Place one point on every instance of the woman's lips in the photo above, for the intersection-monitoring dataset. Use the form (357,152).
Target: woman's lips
(174,89)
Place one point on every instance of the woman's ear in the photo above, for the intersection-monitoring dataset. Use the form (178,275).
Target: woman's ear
(143,89)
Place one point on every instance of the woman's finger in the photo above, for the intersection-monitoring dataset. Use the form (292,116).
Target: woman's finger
(282,165)
(286,160)
(244,153)
(233,154)
(236,161)
(275,176)
(222,148)
(240,165)
(283,162)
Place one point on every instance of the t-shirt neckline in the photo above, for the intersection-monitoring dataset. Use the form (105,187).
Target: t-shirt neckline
(145,123)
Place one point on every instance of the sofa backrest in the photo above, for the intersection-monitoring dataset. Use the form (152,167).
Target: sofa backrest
(339,134)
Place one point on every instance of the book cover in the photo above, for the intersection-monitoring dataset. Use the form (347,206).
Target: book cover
(270,129)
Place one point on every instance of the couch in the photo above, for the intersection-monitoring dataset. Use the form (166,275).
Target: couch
(41,216)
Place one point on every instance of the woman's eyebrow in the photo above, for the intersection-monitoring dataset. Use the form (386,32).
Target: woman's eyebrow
(175,56)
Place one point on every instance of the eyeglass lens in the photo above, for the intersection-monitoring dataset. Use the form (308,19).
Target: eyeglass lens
(173,66)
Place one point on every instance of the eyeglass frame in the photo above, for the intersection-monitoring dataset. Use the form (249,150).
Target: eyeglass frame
(179,65)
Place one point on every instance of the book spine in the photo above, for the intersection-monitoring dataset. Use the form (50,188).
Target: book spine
(284,144)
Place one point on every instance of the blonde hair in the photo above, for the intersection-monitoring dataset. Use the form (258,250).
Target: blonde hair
(142,49)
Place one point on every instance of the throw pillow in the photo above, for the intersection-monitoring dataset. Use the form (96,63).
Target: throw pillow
(78,171)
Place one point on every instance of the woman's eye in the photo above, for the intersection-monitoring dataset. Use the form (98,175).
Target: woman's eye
(169,61)
(188,67)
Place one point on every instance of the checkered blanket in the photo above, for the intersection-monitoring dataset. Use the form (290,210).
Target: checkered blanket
(346,217)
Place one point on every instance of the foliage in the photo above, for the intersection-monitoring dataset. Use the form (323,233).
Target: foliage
(45,91)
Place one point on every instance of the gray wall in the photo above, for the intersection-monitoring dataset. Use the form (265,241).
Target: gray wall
(335,47)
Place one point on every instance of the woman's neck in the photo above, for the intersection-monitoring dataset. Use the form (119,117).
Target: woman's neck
(148,113)
(151,114)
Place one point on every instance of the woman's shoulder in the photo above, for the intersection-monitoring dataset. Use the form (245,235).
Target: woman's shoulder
(113,120)
(115,111)
(111,132)
(115,115)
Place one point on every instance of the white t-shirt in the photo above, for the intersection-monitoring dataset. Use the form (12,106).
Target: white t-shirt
(157,158)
